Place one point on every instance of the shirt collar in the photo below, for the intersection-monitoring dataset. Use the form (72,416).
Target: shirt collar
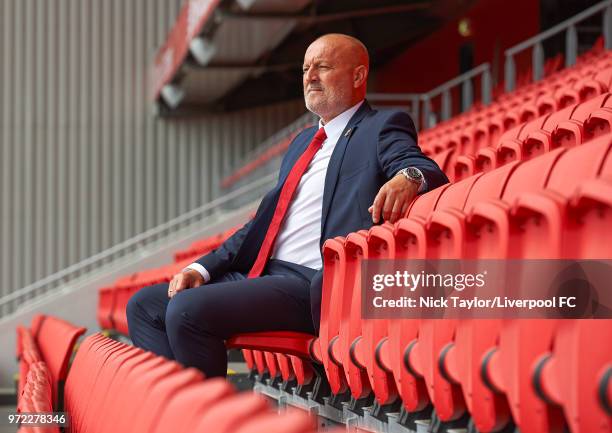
(334,127)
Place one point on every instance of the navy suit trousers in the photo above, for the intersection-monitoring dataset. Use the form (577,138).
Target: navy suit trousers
(192,326)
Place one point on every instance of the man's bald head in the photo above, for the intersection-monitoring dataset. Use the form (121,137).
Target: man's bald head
(352,49)
(335,74)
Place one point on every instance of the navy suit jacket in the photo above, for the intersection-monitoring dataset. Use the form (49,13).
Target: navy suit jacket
(373,147)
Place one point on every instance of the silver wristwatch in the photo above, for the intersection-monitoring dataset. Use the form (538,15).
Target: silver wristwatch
(414,175)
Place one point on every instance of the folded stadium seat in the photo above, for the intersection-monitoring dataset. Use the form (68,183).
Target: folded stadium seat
(489,158)
(445,238)
(91,411)
(511,119)
(334,263)
(586,196)
(410,243)
(570,374)
(119,316)
(531,235)
(454,196)
(80,385)
(107,387)
(304,374)
(481,136)
(585,162)
(588,88)
(423,204)
(36,397)
(153,402)
(604,75)
(286,371)
(272,366)
(293,421)
(464,167)
(184,408)
(566,95)
(483,214)
(546,104)
(557,130)
(381,245)
(35,324)
(230,413)
(508,368)
(511,145)
(106,304)
(444,158)
(459,360)
(56,339)
(138,384)
(260,362)
(249,359)
(350,337)
(528,111)
(118,395)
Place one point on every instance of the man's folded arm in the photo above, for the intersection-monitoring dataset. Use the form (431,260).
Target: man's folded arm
(398,149)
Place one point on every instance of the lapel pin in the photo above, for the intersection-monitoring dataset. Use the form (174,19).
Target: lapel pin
(348,132)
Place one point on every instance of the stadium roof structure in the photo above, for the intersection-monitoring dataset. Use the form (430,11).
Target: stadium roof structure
(228,54)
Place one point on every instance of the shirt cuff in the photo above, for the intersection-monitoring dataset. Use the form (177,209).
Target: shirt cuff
(200,269)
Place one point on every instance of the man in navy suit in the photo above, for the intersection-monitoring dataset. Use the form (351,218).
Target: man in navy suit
(368,168)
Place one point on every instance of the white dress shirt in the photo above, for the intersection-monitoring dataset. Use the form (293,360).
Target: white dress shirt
(300,232)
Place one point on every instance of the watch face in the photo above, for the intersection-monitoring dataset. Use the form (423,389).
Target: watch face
(414,173)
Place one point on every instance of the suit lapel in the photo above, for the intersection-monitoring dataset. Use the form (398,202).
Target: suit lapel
(335,162)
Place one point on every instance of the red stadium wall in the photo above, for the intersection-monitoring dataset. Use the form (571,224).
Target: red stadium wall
(495,26)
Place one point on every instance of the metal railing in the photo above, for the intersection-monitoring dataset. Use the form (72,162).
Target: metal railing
(417,103)
(410,102)
(464,80)
(571,43)
(117,253)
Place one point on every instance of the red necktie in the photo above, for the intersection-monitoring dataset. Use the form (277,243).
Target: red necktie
(291,183)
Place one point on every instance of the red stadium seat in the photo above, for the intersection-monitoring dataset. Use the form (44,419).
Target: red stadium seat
(56,340)
(334,264)
(381,245)
(351,346)
(230,413)
(106,305)
(184,409)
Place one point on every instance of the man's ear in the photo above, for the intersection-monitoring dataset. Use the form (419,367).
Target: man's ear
(360,76)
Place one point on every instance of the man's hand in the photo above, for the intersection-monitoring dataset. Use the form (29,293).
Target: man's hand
(187,279)
(393,199)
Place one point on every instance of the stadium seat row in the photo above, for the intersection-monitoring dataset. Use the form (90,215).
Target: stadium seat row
(529,209)
(36,396)
(482,126)
(523,189)
(120,388)
(49,341)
